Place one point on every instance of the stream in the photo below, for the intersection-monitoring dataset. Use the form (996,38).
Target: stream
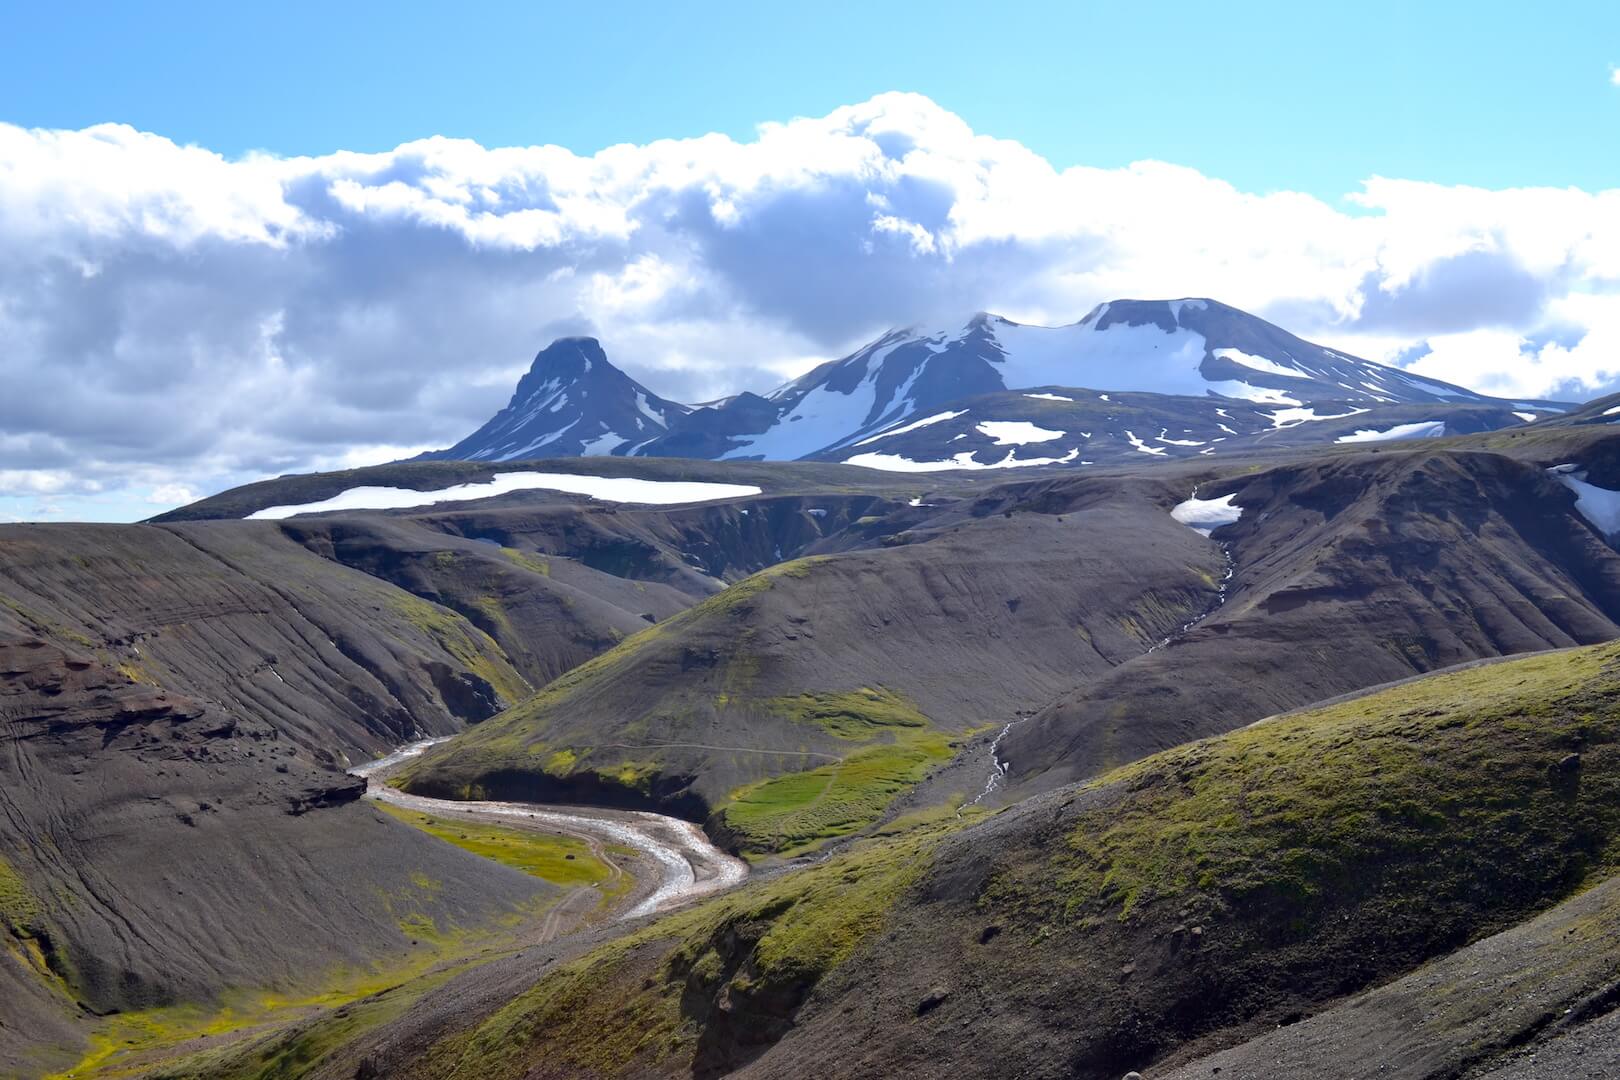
(688,864)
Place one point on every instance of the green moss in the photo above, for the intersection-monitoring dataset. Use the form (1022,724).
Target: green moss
(507,740)
(40,624)
(471,647)
(18,908)
(800,810)
(1468,776)
(561,860)
(535,564)
(619,1009)
(858,714)
(291,1054)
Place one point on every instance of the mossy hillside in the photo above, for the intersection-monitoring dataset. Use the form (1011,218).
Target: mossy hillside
(534,564)
(1309,856)
(255,1036)
(131,1044)
(292,1050)
(651,1003)
(472,648)
(1232,881)
(800,810)
(18,907)
(515,741)
(1314,853)
(858,714)
(1285,812)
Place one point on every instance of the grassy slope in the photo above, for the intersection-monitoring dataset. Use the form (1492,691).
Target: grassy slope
(891,745)
(797,811)
(763,949)
(1203,888)
(354,1001)
(561,860)
(507,741)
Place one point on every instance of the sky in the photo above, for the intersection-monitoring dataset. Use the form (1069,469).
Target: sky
(236,243)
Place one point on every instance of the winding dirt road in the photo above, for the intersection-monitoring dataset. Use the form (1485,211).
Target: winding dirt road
(686,864)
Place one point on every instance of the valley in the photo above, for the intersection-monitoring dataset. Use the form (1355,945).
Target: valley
(645,766)
(773,542)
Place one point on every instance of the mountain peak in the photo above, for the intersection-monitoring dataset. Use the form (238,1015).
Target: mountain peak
(569,355)
(1197,358)
(571,402)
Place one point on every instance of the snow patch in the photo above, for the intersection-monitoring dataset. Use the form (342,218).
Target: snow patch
(1049,397)
(913,426)
(647,410)
(602,445)
(1142,446)
(607,488)
(1530,417)
(1122,357)
(1598,505)
(1233,388)
(964,460)
(1163,437)
(1425,429)
(1287,418)
(1207,515)
(1259,363)
(1017,432)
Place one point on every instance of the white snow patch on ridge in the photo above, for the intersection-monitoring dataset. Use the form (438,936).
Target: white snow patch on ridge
(1142,446)
(1017,432)
(913,426)
(1259,363)
(1207,515)
(1049,397)
(964,460)
(1234,388)
(603,445)
(1598,505)
(1122,357)
(607,488)
(1425,429)
(1527,417)
(1287,418)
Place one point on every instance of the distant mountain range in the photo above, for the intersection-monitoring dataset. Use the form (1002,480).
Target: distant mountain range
(1157,378)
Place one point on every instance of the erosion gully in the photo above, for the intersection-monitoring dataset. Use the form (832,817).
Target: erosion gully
(999,767)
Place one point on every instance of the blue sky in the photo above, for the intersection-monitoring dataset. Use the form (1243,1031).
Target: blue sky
(1310,97)
(179,314)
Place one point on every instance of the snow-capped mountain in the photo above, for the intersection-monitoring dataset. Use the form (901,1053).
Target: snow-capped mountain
(1134,377)
(572,403)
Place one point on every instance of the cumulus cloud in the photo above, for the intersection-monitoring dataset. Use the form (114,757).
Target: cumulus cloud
(176,321)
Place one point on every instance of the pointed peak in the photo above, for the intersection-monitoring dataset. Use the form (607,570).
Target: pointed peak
(577,354)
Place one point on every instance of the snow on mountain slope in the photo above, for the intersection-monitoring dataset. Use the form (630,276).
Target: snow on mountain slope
(1204,376)
(572,403)
(1011,429)
(623,489)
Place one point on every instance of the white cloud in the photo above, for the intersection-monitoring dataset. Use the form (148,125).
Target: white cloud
(173,317)
(1614,76)
(171,495)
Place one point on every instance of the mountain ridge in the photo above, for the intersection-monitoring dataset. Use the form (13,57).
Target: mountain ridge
(1191,363)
